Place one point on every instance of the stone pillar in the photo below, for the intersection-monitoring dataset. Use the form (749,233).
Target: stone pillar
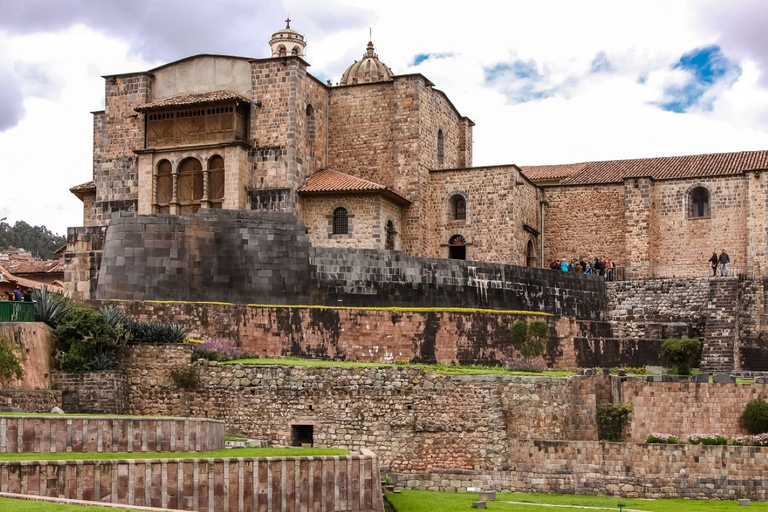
(757,212)
(637,225)
(721,333)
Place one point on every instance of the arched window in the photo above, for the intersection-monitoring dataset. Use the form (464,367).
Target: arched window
(216,181)
(698,203)
(163,187)
(311,129)
(459,207)
(530,255)
(295,51)
(281,51)
(389,242)
(457,248)
(340,221)
(440,147)
(190,185)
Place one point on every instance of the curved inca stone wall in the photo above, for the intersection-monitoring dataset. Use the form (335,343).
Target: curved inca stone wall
(23,434)
(219,256)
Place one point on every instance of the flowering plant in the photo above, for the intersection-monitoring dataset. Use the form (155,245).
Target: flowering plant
(755,440)
(216,351)
(707,439)
(658,437)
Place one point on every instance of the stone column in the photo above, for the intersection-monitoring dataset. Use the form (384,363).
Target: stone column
(637,225)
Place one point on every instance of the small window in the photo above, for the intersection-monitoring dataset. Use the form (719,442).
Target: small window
(295,50)
(311,129)
(281,51)
(457,248)
(459,207)
(698,203)
(440,147)
(389,243)
(340,221)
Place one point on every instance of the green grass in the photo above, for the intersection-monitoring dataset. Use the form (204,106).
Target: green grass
(217,454)
(424,501)
(441,369)
(11,505)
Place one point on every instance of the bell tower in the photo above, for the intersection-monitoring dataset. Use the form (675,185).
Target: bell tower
(287,42)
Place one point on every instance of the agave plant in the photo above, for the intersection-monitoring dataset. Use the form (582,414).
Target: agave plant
(103,360)
(112,315)
(50,307)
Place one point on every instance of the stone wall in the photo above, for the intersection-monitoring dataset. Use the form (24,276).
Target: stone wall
(37,342)
(92,392)
(495,197)
(265,257)
(687,408)
(375,278)
(39,401)
(574,230)
(208,485)
(619,469)
(410,418)
(212,256)
(359,335)
(28,434)
(82,261)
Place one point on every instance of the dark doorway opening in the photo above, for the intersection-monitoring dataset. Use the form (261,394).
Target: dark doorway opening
(302,435)
(457,248)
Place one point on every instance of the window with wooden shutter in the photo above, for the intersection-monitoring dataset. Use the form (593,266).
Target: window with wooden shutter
(216,181)
(190,185)
(163,187)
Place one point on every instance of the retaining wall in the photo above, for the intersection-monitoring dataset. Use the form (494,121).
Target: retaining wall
(97,434)
(37,342)
(92,392)
(207,485)
(621,469)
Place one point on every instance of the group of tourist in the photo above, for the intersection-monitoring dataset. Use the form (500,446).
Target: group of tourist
(18,296)
(600,267)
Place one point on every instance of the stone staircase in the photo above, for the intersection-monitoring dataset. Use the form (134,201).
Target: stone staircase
(721,332)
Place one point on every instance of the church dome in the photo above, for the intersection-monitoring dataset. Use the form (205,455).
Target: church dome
(287,42)
(369,69)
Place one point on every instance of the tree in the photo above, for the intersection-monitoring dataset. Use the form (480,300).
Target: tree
(38,240)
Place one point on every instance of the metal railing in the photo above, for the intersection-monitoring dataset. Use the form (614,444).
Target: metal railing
(673,271)
(11,311)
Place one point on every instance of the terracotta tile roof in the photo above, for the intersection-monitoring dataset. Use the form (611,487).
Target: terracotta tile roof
(26,283)
(193,99)
(89,186)
(335,182)
(34,267)
(662,168)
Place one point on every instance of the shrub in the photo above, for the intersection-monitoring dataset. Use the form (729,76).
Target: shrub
(662,438)
(525,364)
(611,420)
(11,357)
(708,439)
(680,352)
(187,378)
(755,416)
(87,341)
(529,339)
(50,307)
(113,316)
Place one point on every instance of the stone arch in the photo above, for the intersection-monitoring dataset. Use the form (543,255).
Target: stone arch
(698,202)
(458,206)
(457,247)
(531,258)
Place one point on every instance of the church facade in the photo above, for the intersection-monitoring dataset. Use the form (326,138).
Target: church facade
(383,161)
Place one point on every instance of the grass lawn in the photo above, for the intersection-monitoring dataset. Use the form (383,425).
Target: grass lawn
(11,505)
(227,453)
(424,501)
(442,369)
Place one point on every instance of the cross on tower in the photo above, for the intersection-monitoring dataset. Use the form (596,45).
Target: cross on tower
(288,22)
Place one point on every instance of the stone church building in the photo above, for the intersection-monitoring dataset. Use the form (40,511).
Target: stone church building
(383,161)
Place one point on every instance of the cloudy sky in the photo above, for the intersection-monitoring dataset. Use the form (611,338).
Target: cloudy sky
(546,81)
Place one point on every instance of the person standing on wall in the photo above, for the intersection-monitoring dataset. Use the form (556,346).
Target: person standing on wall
(724,260)
(714,261)
(17,294)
